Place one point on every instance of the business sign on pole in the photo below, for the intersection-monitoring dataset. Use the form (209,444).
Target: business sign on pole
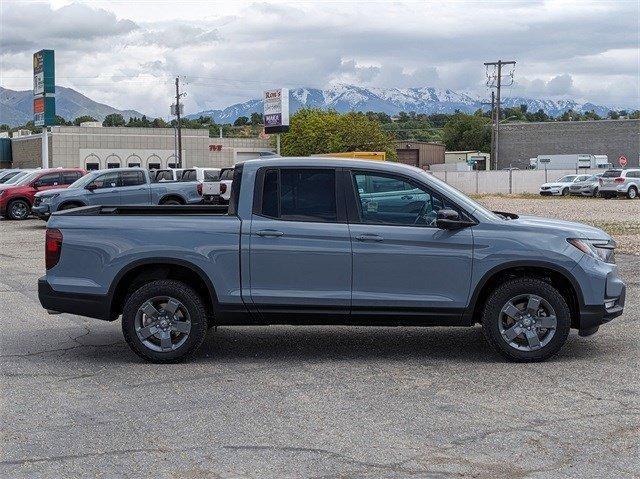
(276,111)
(622,161)
(44,88)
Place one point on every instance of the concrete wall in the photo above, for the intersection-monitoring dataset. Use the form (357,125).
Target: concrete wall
(520,141)
(501,181)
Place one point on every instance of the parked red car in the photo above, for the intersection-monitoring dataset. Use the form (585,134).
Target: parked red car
(16,200)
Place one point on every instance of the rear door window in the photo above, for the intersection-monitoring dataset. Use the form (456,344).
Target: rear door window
(300,195)
(69,177)
(189,175)
(132,178)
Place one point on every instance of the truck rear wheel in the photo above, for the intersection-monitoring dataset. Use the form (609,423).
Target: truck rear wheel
(164,321)
(526,320)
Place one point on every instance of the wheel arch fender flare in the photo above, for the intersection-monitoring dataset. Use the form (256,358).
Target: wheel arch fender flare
(160,261)
(520,264)
(176,196)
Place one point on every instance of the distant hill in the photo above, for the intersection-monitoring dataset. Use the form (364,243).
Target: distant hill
(16,106)
(428,100)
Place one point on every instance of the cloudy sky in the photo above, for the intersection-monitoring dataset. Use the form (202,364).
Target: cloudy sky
(127,53)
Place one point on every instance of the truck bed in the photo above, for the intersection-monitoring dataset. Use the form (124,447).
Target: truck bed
(135,210)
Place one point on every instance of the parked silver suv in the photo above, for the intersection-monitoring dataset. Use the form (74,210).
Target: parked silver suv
(620,183)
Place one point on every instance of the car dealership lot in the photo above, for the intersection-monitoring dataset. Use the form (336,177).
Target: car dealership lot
(295,401)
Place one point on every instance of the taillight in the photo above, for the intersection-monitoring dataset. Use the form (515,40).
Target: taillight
(619,180)
(53,247)
(223,188)
(199,188)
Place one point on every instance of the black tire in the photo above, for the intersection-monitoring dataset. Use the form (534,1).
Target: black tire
(632,193)
(171,202)
(491,318)
(69,206)
(565,191)
(193,304)
(18,210)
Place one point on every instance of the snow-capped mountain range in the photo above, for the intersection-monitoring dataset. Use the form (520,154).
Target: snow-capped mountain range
(344,98)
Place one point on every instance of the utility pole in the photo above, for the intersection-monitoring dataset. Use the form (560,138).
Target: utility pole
(178,95)
(492,164)
(495,81)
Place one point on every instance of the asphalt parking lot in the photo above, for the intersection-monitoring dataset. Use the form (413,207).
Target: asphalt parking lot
(306,402)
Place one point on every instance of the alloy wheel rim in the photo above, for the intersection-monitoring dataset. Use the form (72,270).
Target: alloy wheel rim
(527,322)
(162,324)
(19,209)
(632,193)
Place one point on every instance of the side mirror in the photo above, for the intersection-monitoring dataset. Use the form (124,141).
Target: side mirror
(449,219)
(90,187)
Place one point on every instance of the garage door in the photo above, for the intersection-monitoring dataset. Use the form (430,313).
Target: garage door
(408,157)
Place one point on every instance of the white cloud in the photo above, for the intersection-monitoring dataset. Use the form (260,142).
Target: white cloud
(231,51)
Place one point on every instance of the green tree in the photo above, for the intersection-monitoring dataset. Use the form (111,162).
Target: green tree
(159,123)
(241,121)
(320,131)
(114,119)
(467,132)
(614,115)
(59,121)
(256,118)
(82,119)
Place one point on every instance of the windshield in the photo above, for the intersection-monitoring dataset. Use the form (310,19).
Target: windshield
(566,179)
(458,197)
(26,179)
(14,179)
(82,181)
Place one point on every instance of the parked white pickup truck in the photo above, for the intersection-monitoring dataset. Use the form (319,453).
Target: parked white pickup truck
(219,192)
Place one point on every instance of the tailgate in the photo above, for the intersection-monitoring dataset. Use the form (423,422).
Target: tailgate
(211,188)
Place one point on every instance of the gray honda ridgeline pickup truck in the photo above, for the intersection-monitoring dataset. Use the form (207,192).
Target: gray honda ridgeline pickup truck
(331,241)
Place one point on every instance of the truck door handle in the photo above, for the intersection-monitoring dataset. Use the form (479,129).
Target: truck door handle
(370,237)
(406,197)
(269,233)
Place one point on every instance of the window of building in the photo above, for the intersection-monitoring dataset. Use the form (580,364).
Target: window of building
(172,165)
(113,165)
(134,165)
(93,166)
(154,166)
(300,195)
(132,178)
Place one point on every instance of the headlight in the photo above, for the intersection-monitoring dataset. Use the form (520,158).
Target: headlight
(598,249)
(47,199)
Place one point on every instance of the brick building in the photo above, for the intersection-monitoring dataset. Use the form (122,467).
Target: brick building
(520,141)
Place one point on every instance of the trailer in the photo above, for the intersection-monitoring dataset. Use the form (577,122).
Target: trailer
(576,162)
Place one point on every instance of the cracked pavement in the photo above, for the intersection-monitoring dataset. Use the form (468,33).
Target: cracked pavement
(308,401)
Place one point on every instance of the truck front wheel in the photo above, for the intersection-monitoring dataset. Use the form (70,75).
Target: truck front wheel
(164,321)
(526,319)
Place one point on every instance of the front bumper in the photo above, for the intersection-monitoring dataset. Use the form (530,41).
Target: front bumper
(42,211)
(90,305)
(551,192)
(604,294)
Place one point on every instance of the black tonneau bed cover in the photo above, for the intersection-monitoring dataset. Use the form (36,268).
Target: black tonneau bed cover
(158,210)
